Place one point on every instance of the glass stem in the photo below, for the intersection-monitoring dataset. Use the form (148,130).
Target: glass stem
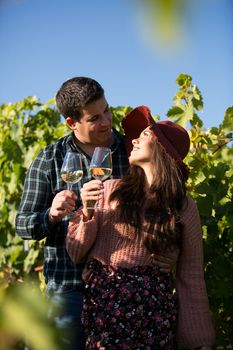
(97,203)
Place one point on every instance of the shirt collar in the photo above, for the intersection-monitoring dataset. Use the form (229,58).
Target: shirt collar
(72,146)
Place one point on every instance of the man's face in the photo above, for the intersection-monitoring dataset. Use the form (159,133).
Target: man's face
(95,124)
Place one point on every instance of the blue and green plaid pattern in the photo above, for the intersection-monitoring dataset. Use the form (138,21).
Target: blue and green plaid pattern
(42,183)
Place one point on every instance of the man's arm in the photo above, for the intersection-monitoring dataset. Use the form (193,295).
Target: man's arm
(168,262)
(40,210)
(32,216)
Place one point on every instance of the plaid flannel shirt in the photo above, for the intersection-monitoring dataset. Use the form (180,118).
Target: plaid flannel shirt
(42,183)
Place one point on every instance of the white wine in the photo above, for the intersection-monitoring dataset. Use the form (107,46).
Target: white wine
(71,177)
(100,173)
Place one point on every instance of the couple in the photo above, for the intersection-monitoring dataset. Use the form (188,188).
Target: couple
(151,220)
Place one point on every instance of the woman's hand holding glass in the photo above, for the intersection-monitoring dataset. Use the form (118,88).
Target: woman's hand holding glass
(91,192)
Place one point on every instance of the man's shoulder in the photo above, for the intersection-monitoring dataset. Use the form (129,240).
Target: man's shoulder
(60,143)
(57,146)
(119,144)
(118,135)
(53,150)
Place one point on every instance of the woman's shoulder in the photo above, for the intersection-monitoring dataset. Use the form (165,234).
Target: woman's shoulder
(188,204)
(190,217)
(189,208)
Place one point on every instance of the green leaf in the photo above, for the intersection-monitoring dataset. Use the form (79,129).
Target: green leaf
(196,121)
(175,112)
(227,124)
(183,79)
(118,113)
(29,261)
(197,98)
(23,309)
(205,205)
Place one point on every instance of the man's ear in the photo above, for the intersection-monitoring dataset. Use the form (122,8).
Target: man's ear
(71,123)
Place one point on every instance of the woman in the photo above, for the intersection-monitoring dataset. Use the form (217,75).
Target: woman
(129,303)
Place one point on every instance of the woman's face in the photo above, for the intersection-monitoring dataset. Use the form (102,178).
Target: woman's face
(142,148)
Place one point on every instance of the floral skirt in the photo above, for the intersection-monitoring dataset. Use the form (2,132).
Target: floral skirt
(128,309)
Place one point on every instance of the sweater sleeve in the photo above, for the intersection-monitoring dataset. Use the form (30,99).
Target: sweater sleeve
(81,235)
(195,328)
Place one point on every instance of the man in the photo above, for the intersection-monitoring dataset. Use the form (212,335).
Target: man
(46,205)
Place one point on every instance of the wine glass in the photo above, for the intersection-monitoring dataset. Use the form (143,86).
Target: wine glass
(71,170)
(100,166)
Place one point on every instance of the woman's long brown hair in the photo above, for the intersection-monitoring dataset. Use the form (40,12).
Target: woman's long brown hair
(154,210)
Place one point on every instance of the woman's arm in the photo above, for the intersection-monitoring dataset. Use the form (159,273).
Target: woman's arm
(82,229)
(195,328)
(81,235)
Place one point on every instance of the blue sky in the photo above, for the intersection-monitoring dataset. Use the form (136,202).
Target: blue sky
(43,43)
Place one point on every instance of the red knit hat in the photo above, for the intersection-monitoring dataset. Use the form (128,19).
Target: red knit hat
(173,137)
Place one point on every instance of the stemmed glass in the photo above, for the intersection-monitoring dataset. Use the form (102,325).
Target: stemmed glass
(100,166)
(71,170)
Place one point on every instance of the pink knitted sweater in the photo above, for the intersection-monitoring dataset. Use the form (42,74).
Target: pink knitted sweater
(105,238)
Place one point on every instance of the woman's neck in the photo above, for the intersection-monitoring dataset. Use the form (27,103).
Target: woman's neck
(149,175)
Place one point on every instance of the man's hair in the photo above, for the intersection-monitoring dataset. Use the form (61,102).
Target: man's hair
(76,93)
